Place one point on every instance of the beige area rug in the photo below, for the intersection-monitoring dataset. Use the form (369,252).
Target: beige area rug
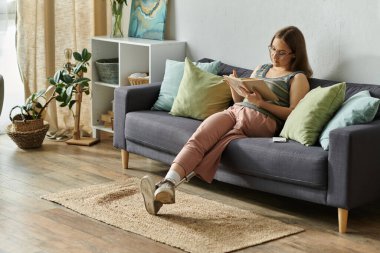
(193,224)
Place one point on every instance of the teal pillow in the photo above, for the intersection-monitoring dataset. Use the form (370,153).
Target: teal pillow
(200,94)
(359,109)
(172,79)
(306,121)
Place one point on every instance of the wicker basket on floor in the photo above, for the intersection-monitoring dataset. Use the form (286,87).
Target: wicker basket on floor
(21,125)
(27,139)
(138,80)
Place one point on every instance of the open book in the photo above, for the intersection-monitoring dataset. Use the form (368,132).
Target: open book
(251,84)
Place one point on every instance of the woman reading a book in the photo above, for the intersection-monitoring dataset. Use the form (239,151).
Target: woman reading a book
(250,116)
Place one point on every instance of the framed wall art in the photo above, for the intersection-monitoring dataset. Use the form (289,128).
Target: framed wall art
(147,19)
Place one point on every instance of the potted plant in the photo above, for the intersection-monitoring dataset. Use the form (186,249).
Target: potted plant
(70,85)
(28,129)
(117,14)
(66,87)
(30,114)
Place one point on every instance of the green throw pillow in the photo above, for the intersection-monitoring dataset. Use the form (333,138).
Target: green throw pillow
(358,109)
(172,79)
(306,121)
(200,94)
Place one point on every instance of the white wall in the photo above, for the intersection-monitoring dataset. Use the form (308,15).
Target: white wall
(7,6)
(342,36)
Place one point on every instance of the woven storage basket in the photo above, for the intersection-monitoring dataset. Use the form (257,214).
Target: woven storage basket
(138,80)
(28,139)
(108,70)
(21,125)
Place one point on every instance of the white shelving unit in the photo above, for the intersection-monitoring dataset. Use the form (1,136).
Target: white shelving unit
(135,55)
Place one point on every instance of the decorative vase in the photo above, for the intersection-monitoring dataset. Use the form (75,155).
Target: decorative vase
(117,14)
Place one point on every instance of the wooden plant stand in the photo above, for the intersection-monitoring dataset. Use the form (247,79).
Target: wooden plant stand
(77,139)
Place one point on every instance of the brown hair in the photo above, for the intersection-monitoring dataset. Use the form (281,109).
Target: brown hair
(293,37)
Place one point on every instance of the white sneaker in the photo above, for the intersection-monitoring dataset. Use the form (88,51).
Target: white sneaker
(147,188)
(165,192)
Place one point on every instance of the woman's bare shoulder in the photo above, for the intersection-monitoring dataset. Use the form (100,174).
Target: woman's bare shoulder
(301,77)
(300,80)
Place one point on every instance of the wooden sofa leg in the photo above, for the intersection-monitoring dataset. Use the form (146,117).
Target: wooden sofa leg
(342,219)
(124,158)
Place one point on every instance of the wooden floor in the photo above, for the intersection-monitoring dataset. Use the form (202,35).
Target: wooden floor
(30,224)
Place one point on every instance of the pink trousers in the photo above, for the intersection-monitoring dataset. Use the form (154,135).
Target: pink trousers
(203,150)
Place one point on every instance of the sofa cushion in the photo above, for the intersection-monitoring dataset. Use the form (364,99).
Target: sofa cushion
(306,121)
(288,162)
(172,79)
(144,127)
(200,94)
(358,109)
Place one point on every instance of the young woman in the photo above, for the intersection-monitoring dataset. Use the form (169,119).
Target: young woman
(250,116)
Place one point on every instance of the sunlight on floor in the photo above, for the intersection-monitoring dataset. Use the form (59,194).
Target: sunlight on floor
(14,92)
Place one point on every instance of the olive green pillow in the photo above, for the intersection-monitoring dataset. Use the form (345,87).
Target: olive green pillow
(200,94)
(313,112)
(172,79)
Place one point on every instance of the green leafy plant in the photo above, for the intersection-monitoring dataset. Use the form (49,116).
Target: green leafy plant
(67,83)
(116,5)
(63,87)
(34,106)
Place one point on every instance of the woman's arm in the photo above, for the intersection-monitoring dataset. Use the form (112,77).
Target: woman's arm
(299,86)
(235,96)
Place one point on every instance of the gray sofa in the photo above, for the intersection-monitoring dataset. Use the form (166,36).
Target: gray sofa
(345,177)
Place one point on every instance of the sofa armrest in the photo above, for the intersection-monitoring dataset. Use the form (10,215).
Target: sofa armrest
(128,99)
(354,165)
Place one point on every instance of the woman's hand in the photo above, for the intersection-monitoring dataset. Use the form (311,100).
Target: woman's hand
(253,97)
(234,74)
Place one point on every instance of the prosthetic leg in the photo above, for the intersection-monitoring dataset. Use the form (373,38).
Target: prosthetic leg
(165,192)
(186,179)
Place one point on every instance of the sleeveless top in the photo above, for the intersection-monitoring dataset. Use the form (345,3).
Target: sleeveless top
(279,85)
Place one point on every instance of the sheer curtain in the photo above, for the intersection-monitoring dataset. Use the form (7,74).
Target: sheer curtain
(44,29)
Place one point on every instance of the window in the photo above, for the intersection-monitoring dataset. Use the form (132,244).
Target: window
(14,91)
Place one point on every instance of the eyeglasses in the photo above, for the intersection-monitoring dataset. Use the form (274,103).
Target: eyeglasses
(279,53)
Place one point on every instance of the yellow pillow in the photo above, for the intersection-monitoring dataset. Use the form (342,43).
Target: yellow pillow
(200,94)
